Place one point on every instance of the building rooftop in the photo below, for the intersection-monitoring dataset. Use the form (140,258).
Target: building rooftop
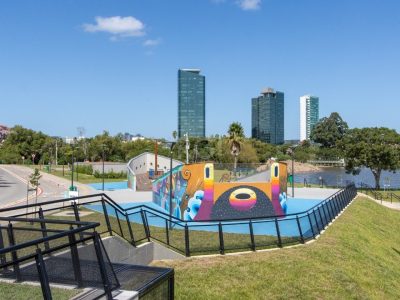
(197,71)
(268,91)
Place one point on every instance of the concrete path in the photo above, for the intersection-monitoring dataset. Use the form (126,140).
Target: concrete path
(258,177)
(311,193)
(129,196)
(394,205)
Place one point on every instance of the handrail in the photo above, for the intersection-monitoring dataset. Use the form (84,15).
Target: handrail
(235,219)
(48,238)
(317,217)
(125,211)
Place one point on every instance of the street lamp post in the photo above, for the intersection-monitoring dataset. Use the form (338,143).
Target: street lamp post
(72,170)
(170,183)
(290,151)
(102,146)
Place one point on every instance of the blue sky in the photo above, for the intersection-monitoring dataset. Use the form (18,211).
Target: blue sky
(113,65)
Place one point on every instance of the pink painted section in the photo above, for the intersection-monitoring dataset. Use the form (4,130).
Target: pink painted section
(275,198)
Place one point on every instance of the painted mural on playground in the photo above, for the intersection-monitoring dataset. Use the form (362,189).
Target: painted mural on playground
(197,197)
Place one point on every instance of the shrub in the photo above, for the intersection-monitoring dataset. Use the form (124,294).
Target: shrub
(110,175)
(84,169)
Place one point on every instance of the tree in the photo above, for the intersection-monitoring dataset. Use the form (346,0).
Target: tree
(328,131)
(373,148)
(25,142)
(34,180)
(236,135)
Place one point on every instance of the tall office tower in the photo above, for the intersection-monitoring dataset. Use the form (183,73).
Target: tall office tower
(309,115)
(191,103)
(267,116)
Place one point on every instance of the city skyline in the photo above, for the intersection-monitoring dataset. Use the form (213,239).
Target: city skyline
(103,65)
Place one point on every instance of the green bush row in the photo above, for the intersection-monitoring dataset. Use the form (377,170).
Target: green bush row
(84,169)
(110,175)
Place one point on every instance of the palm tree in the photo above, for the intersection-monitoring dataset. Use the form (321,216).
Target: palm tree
(236,135)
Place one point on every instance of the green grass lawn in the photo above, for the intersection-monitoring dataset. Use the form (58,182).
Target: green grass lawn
(11,291)
(358,257)
(82,178)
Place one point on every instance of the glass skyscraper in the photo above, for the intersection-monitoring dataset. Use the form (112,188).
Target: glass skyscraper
(191,103)
(309,115)
(267,117)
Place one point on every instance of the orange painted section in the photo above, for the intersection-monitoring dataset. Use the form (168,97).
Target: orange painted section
(221,187)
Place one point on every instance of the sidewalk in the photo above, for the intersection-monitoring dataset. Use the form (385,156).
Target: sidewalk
(394,205)
(311,193)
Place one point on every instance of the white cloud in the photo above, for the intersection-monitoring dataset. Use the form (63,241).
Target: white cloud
(117,26)
(249,4)
(151,43)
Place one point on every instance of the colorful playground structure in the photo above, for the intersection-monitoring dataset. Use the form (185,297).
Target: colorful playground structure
(196,196)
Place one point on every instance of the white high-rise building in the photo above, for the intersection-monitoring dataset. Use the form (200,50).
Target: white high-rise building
(309,115)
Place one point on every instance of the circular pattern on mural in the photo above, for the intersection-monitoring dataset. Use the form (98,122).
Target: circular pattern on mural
(242,199)
(223,209)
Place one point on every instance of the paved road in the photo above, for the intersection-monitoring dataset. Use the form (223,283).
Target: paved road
(11,188)
(52,187)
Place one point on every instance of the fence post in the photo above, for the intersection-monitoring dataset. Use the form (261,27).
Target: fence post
(300,231)
(2,256)
(167,231)
(278,233)
(312,228)
(119,222)
(43,228)
(103,270)
(106,216)
(320,216)
(43,277)
(342,203)
(78,219)
(333,209)
(14,255)
(75,258)
(221,239)
(327,213)
(171,287)
(187,243)
(145,224)
(253,244)
(130,230)
(316,221)
(335,204)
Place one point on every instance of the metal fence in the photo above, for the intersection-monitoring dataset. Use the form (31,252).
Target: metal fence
(379,194)
(63,226)
(142,223)
(48,251)
(26,238)
(200,237)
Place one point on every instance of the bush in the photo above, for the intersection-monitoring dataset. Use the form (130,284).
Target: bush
(84,169)
(110,175)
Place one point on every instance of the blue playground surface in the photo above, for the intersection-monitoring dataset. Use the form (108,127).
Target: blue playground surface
(110,186)
(288,227)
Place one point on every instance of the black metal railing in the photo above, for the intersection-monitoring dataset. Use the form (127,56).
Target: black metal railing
(197,237)
(143,223)
(49,251)
(379,194)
